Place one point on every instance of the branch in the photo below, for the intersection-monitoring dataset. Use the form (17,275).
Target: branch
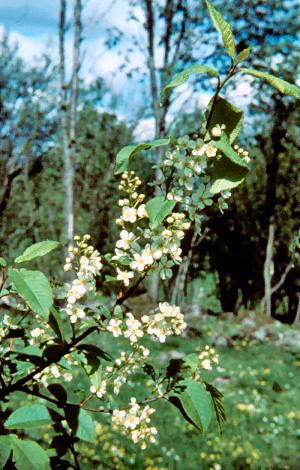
(130,291)
(66,349)
(181,34)
(283,278)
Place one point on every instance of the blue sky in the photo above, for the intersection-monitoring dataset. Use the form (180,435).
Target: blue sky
(29,17)
(33,24)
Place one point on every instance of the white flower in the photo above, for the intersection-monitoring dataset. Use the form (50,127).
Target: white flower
(133,331)
(157,254)
(147,255)
(216,131)
(141,212)
(131,421)
(114,327)
(55,371)
(206,364)
(126,238)
(118,254)
(210,150)
(129,214)
(124,276)
(36,332)
(166,233)
(138,263)
(67,377)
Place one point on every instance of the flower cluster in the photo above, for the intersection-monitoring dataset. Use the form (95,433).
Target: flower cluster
(52,372)
(208,358)
(118,373)
(86,261)
(243,153)
(135,421)
(167,321)
(100,391)
(132,209)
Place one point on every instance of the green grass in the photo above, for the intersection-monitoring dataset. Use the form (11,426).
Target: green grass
(260,384)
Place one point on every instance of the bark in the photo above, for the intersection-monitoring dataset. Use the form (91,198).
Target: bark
(6,188)
(266,301)
(68,113)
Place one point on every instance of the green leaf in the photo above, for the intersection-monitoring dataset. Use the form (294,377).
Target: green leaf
(55,323)
(86,428)
(242,55)
(29,455)
(195,404)
(58,392)
(123,157)
(183,76)
(228,152)
(91,348)
(225,113)
(28,417)
(5,449)
(283,86)
(34,288)
(217,399)
(96,378)
(157,209)
(226,175)
(36,250)
(3,262)
(192,361)
(72,417)
(222,27)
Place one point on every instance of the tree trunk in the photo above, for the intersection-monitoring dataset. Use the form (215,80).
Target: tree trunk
(68,114)
(268,272)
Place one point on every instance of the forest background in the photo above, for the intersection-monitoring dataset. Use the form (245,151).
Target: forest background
(127,51)
(162,38)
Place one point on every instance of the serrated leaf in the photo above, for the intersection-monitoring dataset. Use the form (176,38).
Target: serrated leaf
(217,398)
(28,417)
(195,404)
(183,76)
(228,152)
(242,55)
(228,114)
(29,455)
(226,175)
(86,428)
(157,209)
(36,250)
(123,157)
(222,27)
(34,288)
(283,86)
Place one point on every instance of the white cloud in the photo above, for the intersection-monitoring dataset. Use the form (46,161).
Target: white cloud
(145,130)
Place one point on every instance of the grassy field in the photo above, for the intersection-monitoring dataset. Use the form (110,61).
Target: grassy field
(260,381)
